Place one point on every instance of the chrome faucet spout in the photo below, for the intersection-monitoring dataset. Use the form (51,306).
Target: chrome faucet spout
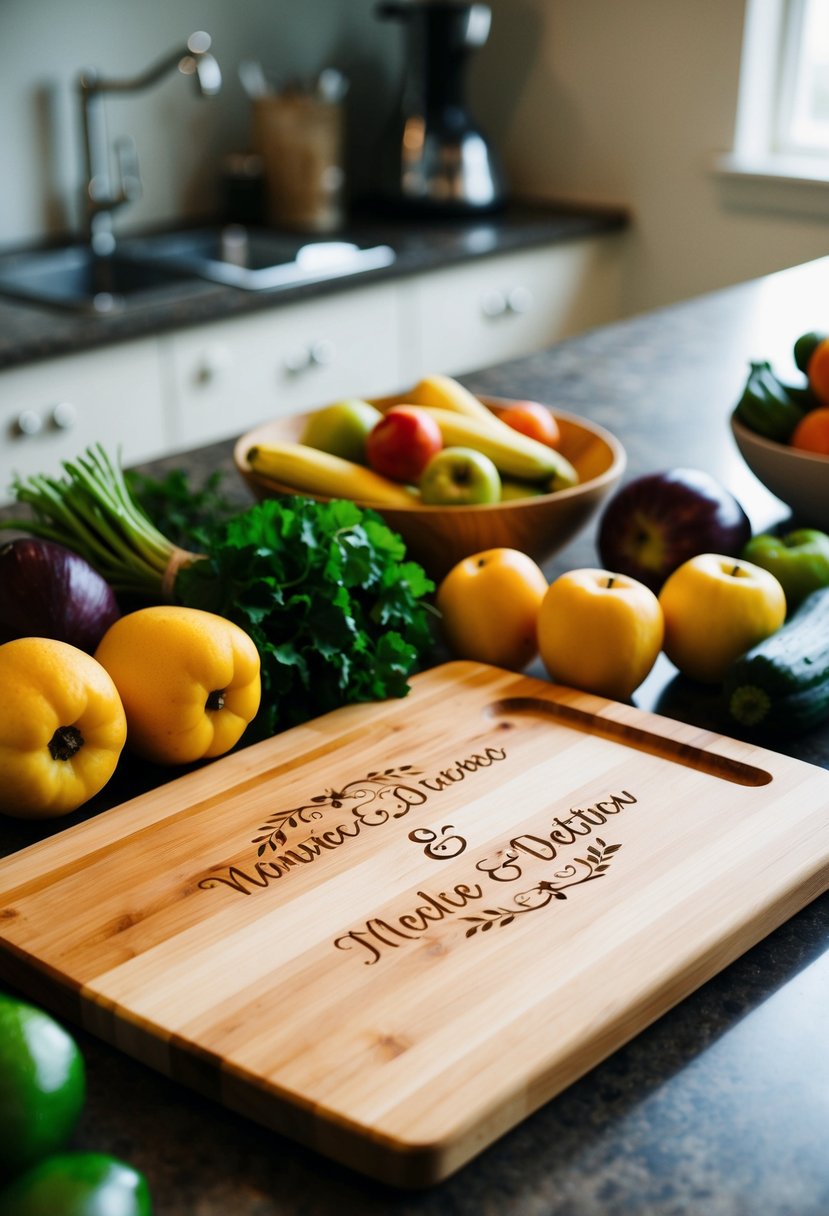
(102,197)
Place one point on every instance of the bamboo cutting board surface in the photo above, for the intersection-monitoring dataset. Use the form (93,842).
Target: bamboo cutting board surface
(394,932)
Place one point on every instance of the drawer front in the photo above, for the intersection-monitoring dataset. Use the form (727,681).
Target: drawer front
(503,307)
(52,411)
(230,376)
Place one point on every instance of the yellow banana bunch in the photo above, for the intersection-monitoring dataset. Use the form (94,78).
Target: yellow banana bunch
(515,455)
(310,471)
(444,393)
(512,453)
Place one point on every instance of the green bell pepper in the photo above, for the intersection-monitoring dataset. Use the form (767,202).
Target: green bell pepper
(799,560)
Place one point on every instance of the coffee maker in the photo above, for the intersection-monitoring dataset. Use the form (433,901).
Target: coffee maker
(435,160)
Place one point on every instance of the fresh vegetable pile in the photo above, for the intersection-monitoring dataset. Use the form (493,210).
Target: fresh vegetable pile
(794,415)
(323,589)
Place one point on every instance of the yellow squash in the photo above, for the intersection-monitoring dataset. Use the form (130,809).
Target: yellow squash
(189,681)
(62,728)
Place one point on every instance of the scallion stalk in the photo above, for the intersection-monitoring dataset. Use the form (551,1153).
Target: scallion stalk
(92,511)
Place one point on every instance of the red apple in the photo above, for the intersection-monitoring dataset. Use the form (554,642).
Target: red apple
(403,442)
(658,521)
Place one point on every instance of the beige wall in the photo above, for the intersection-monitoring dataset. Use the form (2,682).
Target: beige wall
(622,101)
(629,101)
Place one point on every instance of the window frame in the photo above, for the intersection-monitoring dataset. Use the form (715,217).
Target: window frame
(760,170)
(789,72)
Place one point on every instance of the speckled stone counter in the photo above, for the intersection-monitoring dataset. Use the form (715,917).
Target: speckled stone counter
(29,332)
(718,1109)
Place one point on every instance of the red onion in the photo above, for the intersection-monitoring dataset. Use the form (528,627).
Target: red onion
(48,591)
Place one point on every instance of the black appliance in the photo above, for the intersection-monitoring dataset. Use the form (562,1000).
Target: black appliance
(435,159)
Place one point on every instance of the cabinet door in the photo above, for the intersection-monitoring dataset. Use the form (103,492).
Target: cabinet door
(52,411)
(231,375)
(502,307)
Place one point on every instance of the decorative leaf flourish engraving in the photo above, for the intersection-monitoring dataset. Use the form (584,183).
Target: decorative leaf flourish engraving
(581,870)
(381,794)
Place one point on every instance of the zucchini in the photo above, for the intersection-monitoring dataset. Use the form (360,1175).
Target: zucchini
(768,407)
(781,686)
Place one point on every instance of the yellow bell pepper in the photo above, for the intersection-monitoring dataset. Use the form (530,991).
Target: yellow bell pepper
(62,728)
(189,681)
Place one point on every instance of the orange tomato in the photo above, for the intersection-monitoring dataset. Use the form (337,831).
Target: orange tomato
(817,371)
(812,432)
(533,419)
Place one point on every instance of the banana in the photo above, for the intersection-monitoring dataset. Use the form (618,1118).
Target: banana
(310,471)
(512,453)
(444,393)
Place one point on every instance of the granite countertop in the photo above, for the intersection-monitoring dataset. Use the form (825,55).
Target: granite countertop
(720,1107)
(29,332)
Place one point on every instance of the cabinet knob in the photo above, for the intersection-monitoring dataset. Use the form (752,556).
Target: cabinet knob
(519,300)
(64,416)
(213,364)
(318,354)
(322,353)
(494,304)
(29,422)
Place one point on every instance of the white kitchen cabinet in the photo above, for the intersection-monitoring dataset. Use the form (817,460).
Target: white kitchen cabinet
(497,308)
(230,375)
(53,410)
(191,386)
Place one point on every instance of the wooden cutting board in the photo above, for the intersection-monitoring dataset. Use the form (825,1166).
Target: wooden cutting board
(395,931)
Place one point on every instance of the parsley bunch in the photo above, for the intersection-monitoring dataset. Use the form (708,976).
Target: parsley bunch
(337,613)
(324,591)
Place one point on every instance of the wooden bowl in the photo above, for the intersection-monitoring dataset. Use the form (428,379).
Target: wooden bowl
(438,537)
(799,479)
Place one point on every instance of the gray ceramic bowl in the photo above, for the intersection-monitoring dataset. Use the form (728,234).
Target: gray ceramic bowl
(799,479)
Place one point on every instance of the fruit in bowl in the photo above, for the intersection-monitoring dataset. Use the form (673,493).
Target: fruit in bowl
(782,431)
(564,485)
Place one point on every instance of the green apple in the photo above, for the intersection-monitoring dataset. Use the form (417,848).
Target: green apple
(799,560)
(459,477)
(342,429)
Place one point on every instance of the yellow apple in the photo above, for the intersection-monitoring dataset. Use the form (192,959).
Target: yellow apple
(489,604)
(716,608)
(600,632)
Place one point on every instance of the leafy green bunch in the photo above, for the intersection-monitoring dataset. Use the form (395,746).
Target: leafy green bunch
(324,591)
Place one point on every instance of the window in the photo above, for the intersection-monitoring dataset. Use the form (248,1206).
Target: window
(781,139)
(803,111)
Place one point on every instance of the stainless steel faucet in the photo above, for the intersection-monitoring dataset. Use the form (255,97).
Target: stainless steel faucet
(103,196)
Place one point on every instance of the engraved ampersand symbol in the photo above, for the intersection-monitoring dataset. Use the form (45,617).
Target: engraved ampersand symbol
(439,845)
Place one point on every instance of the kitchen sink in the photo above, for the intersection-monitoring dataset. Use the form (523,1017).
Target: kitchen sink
(255,259)
(147,269)
(75,278)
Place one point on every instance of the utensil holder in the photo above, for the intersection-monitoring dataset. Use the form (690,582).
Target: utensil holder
(300,140)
